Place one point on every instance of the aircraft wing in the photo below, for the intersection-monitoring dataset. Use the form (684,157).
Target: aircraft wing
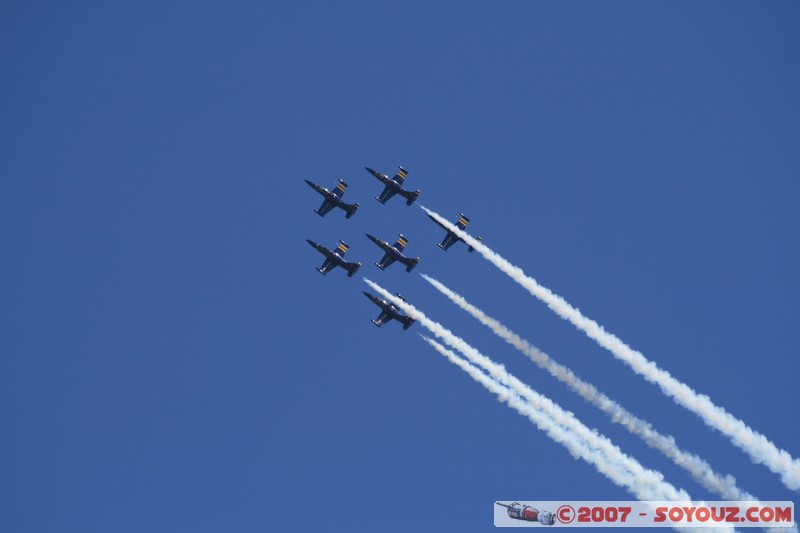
(318,247)
(400,177)
(327,266)
(449,240)
(383,318)
(387,193)
(326,206)
(387,260)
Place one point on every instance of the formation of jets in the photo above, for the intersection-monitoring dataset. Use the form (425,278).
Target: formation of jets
(392,252)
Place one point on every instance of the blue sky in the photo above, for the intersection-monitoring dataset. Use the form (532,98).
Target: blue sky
(171,359)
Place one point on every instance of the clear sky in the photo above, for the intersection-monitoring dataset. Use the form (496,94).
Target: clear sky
(171,361)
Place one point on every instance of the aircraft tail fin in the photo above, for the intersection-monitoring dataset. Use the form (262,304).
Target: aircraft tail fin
(351,210)
(462,222)
(412,197)
(352,268)
(411,264)
(407,321)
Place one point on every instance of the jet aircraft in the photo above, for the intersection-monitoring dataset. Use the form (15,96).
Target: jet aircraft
(389,311)
(394,253)
(335,258)
(333,199)
(529,514)
(451,238)
(394,186)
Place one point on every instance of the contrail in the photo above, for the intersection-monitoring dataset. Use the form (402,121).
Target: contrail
(756,445)
(625,471)
(542,421)
(700,470)
(576,447)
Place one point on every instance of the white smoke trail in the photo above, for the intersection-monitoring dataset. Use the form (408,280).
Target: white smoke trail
(577,447)
(540,419)
(725,486)
(756,445)
(625,471)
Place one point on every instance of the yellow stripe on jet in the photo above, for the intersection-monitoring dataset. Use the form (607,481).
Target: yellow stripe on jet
(402,173)
(463,220)
(341,187)
(342,247)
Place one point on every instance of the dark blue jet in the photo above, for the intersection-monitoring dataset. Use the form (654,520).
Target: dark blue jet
(335,258)
(333,199)
(394,186)
(394,253)
(389,311)
(451,238)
